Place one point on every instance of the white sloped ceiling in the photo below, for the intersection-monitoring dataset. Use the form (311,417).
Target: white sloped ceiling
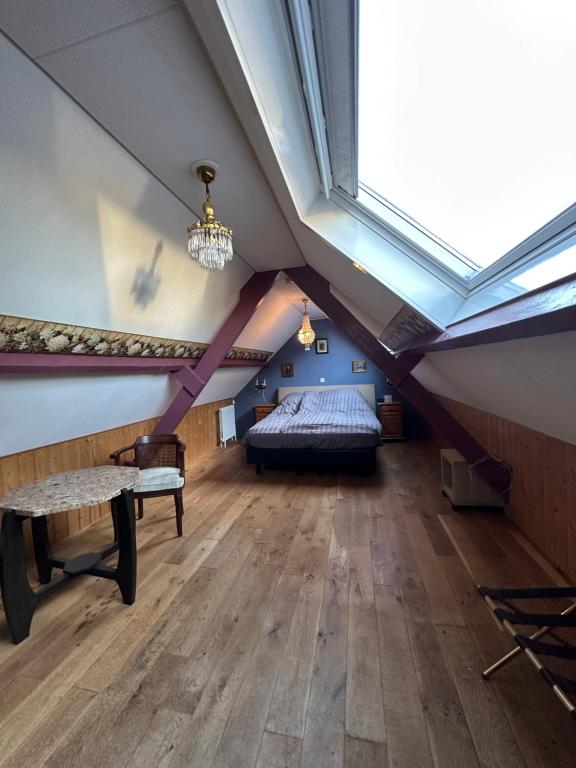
(530,381)
(142,71)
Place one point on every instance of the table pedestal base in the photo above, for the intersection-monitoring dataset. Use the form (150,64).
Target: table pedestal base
(20,600)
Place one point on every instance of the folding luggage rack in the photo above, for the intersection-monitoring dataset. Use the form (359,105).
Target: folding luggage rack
(533,646)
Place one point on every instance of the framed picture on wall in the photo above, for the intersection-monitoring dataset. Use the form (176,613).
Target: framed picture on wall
(359,366)
(287,370)
(321,346)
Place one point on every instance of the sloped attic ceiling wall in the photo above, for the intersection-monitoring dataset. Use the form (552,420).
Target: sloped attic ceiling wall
(141,70)
(144,74)
(81,220)
(530,381)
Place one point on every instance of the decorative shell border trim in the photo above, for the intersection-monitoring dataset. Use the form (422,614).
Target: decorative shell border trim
(19,334)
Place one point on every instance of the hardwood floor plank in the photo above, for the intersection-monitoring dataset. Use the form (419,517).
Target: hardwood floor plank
(364,705)
(279,751)
(383,568)
(209,638)
(359,753)
(339,552)
(240,742)
(307,555)
(360,522)
(96,740)
(112,700)
(157,744)
(324,731)
(491,732)
(288,708)
(199,740)
(279,533)
(444,608)
(438,537)
(407,735)
(14,692)
(451,742)
(208,592)
(46,737)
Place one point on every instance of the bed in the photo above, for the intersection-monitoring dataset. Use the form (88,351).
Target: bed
(321,427)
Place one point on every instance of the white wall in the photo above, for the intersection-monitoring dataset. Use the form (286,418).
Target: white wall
(530,381)
(40,410)
(80,221)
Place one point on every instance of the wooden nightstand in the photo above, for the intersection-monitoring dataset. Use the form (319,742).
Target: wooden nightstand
(391,419)
(261,411)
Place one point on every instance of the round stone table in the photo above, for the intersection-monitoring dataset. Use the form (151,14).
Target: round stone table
(51,495)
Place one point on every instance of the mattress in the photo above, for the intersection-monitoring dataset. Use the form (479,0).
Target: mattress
(334,420)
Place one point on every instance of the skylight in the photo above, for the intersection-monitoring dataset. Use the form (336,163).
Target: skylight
(557,263)
(467,120)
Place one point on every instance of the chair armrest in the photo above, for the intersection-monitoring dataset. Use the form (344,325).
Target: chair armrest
(116,454)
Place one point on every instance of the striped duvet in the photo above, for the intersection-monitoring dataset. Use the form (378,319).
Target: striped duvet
(336,419)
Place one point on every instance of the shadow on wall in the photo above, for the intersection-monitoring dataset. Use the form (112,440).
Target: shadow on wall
(309,367)
(147,279)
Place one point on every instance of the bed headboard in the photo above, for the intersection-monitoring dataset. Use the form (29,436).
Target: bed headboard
(368,391)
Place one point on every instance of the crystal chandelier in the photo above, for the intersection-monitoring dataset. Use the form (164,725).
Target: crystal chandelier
(209,241)
(306,335)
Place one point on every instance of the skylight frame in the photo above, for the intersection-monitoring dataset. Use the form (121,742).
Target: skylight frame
(530,247)
(397,227)
(430,248)
(560,228)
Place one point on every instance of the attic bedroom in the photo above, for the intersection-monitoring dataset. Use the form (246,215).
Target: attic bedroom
(288,442)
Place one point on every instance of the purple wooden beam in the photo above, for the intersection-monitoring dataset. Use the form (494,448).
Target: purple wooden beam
(397,371)
(547,310)
(190,380)
(41,362)
(195,380)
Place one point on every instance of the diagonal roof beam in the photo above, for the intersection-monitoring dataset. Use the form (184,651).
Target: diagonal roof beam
(551,309)
(397,370)
(194,380)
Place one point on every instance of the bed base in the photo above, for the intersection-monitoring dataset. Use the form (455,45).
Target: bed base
(362,458)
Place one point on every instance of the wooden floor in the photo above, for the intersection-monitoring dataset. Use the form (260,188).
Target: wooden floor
(302,621)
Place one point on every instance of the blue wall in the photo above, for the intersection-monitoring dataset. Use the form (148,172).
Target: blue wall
(335,367)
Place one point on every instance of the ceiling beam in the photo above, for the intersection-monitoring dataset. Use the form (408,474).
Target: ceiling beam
(45,362)
(551,309)
(194,380)
(397,371)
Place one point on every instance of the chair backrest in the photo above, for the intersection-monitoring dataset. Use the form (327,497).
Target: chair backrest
(159,451)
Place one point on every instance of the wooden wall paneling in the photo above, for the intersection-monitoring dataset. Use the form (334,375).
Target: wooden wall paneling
(544,486)
(198,429)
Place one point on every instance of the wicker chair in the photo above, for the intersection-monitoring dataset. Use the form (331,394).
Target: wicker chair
(160,459)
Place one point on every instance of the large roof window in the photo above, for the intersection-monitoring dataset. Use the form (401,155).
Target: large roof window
(467,122)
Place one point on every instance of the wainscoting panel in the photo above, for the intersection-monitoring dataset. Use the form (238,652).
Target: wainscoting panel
(199,430)
(544,488)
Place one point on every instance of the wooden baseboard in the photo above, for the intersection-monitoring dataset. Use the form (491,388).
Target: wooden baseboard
(544,486)
(198,429)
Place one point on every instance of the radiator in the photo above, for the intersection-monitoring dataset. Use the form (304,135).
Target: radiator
(227,420)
